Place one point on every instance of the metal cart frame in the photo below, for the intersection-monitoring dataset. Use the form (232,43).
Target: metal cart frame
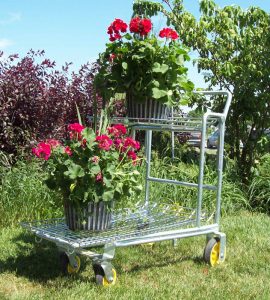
(151,222)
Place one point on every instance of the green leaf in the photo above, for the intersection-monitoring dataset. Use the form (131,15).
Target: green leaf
(127,36)
(119,188)
(155,83)
(78,114)
(108,196)
(124,65)
(157,93)
(180,60)
(89,135)
(107,182)
(74,171)
(157,68)
(95,169)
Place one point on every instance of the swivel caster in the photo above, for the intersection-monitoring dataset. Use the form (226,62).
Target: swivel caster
(66,266)
(101,278)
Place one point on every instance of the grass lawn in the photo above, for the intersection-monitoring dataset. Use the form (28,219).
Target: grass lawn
(30,271)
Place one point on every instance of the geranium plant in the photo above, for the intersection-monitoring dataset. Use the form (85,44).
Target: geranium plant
(92,166)
(143,65)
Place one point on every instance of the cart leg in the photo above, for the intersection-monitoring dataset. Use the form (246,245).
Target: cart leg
(175,243)
(104,270)
(71,254)
(133,133)
(222,251)
(208,237)
(69,261)
(73,261)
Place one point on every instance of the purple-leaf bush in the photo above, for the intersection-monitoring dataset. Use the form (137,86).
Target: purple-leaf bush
(37,101)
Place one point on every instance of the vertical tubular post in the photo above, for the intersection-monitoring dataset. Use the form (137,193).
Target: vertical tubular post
(219,168)
(172,137)
(148,147)
(201,173)
(133,133)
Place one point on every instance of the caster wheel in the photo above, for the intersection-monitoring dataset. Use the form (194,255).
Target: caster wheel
(101,278)
(211,252)
(66,266)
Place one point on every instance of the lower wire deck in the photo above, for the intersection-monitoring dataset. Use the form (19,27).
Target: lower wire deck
(143,221)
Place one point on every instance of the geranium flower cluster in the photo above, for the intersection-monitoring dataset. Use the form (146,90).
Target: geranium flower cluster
(115,28)
(75,130)
(114,140)
(117,139)
(168,33)
(44,149)
(141,26)
(90,165)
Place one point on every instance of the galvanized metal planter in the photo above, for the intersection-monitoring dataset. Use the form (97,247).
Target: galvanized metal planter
(149,109)
(92,217)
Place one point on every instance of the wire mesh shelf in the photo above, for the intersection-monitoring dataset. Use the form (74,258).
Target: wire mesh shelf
(171,123)
(143,221)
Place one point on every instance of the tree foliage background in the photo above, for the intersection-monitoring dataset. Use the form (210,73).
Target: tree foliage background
(233,46)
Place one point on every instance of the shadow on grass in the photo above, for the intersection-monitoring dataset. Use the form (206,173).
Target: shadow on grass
(38,262)
(159,257)
(164,262)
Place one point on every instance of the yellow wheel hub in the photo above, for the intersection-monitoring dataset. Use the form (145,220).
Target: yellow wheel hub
(105,282)
(214,256)
(212,251)
(72,270)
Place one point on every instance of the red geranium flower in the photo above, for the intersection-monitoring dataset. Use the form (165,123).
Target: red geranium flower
(110,30)
(117,130)
(146,26)
(43,150)
(112,38)
(118,143)
(75,130)
(134,25)
(76,127)
(141,26)
(130,143)
(115,28)
(68,150)
(112,57)
(99,177)
(131,154)
(168,33)
(104,142)
(119,25)
(53,143)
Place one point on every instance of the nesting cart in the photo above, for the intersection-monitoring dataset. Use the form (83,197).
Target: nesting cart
(151,222)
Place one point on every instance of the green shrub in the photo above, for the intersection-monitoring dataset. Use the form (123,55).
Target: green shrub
(259,190)
(233,197)
(23,196)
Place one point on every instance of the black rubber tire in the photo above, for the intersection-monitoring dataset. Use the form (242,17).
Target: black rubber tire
(208,249)
(65,265)
(100,276)
(64,261)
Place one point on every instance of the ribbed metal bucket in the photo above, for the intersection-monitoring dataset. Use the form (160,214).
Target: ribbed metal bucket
(149,109)
(92,217)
